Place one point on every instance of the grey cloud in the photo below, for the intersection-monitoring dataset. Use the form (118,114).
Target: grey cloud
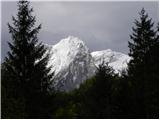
(101,25)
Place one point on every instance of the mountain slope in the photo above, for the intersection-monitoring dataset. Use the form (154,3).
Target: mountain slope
(73,63)
(118,61)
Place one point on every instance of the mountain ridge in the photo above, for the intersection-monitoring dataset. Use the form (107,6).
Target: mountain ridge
(73,63)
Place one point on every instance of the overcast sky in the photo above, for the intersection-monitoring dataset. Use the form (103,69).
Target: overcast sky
(101,25)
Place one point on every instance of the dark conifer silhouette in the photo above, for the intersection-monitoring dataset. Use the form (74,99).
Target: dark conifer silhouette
(26,78)
(101,92)
(143,68)
(27,62)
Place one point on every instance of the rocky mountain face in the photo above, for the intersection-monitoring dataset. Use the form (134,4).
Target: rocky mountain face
(73,63)
(118,61)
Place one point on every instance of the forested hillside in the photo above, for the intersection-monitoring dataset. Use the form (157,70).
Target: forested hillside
(26,90)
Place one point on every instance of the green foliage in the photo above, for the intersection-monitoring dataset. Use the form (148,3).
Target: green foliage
(66,112)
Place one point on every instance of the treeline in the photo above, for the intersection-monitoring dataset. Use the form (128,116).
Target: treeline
(26,81)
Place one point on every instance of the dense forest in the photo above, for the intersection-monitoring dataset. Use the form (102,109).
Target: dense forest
(26,81)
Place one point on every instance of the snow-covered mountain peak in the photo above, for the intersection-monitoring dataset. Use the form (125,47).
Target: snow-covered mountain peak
(71,61)
(65,51)
(71,42)
(118,61)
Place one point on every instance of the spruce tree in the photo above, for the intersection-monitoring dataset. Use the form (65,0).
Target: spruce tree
(100,100)
(27,62)
(143,68)
(12,106)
